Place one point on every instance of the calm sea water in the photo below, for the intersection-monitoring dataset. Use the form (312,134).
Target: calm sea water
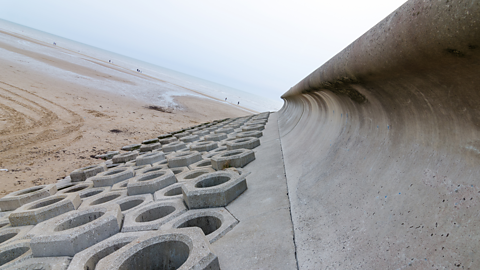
(175,80)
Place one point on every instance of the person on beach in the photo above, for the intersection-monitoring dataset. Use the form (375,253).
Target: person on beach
(238,103)
(54,43)
(225,99)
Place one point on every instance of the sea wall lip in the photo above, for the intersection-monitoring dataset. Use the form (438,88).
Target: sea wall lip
(417,37)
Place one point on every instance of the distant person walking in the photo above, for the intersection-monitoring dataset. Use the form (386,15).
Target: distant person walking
(238,103)
(225,99)
(54,43)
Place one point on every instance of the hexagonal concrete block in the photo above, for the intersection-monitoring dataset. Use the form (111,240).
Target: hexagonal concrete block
(104,199)
(253,133)
(92,192)
(88,258)
(149,147)
(130,203)
(153,215)
(151,169)
(179,170)
(171,192)
(174,146)
(74,231)
(214,222)
(131,147)
(18,198)
(190,138)
(111,177)
(183,159)
(14,253)
(150,182)
(233,158)
(10,234)
(215,137)
(246,143)
(125,157)
(253,127)
(167,140)
(76,188)
(151,141)
(47,208)
(203,146)
(82,174)
(190,175)
(224,130)
(150,158)
(213,189)
(57,263)
(185,248)
(107,156)
(201,133)
(204,163)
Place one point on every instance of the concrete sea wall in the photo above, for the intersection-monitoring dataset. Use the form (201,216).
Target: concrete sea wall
(381,145)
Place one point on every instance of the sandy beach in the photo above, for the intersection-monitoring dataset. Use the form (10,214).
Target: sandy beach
(58,109)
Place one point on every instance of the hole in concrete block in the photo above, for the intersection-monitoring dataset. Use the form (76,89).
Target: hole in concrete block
(208,224)
(231,153)
(164,255)
(124,184)
(112,172)
(77,189)
(29,191)
(6,237)
(177,171)
(212,181)
(204,163)
(182,155)
(79,221)
(89,167)
(153,170)
(174,191)
(194,175)
(90,194)
(11,254)
(66,186)
(92,261)
(130,204)
(150,177)
(45,203)
(155,213)
(105,199)
(241,140)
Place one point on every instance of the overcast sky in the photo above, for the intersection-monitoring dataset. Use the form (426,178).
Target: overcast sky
(264,47)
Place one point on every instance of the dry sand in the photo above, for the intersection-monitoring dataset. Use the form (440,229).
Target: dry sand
(56,113)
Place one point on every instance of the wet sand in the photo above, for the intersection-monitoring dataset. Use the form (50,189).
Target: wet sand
(56,113)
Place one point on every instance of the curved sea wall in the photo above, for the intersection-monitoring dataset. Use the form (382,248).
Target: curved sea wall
(381,145)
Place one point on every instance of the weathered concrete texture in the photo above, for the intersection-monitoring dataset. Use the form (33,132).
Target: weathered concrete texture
(124,157)
(150,158)
(130,203)
(111,177)
(253,133)
(74,231)
(381,146)
(57,263)
(131,147)
(190,175)
(14,252)
(47,208)
(174,146)
(151,216)
(77,187)
(171,192)
(105,198)
(215,189)
(233,158)
(149,147)
(88,258)
(203,146)
(246,143)
(179,170)
(18,198)
(204,163)
(215,137)
(214,222)
(83,173)
(92,192)
(180,249)
(264,237)
(11,234)
(150,182)
(182,159)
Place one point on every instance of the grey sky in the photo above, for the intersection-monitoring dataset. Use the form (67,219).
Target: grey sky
(263,47)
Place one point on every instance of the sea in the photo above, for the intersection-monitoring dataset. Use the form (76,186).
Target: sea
(175,82)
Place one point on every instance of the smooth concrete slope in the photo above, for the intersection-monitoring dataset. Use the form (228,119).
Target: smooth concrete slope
(263,239)
(382,146)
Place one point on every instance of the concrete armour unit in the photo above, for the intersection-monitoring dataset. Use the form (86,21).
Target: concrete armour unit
(179,170)
(214,222)
(74,231)
(181,135)
(223,130)
(183,159)
(107,156)
(149,147)
(130,203)
(247,143)
(181,249)
(215,137)
(46,208)
(122,185)
(167,140)
(253,127)
(4,222)
(190,138)
(151,169)
(14,252)
(203,146)
(150,182)
(201,133)
(213,189)
(153,215)
(57,263)
(253,133)
(233,158)
(174,146)
(11,234)
(171,192)
(150,158)
(190,175)
(18,198)
(104,199)
(76,188)
(88,258)
(82,174)
(124,157)
(131,147)
(92,192)
(164,136)
(151,141)
(111,177)
(204,163)
(214,152)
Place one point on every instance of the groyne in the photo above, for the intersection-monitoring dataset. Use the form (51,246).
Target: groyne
(381,145)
